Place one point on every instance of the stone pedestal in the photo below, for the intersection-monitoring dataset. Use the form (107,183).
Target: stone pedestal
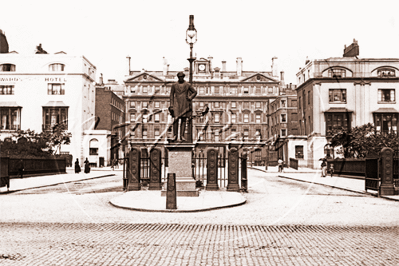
(180,163)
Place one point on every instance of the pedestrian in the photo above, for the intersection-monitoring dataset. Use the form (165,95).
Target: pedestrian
(87,166)
(21,168)
(77,166)
(115,163)
(280,165)
(324,167)
(331,169)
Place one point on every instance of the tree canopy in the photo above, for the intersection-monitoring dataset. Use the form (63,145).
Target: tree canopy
(28,143)
(359,142)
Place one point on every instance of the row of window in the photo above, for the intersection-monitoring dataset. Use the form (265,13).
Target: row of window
(208,135)
(52,89)
(209,90)
(340,96)
(11,117)
(386,123)
(52,68)
(117,104)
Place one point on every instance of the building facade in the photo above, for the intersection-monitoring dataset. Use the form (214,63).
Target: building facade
(283,125)
(110,115)
(237,102)
(340,93)
(40,90)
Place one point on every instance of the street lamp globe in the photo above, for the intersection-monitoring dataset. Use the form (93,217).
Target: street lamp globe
(191,33)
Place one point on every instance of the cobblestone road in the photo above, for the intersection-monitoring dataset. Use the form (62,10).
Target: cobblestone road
(284,222)
(172,244)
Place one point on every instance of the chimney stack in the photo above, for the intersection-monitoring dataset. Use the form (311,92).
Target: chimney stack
(3,43)
(352,50)
(210,58)
(274,67)
(239,66)
(165,67)
(101,79)
(128,65)
(282,78)
(223,66)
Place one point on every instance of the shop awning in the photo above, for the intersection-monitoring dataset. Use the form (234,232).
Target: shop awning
(9,104)
(338,110)
(55,104)
(386,110)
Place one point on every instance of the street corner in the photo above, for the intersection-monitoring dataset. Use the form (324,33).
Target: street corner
(152,201)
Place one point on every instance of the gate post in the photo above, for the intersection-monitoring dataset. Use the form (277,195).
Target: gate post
(155,170)
(387,186)
(233,171)
(212,171)
(133,170)
(244,179)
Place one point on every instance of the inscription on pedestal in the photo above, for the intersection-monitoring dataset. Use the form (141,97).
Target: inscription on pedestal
(180,164)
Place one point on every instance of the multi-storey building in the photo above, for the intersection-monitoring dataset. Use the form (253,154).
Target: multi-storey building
(283,124)
(110,114)
(237,102)
(38,91)
(340,93)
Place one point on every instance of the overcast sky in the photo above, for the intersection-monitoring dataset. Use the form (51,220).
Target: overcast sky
(105,32)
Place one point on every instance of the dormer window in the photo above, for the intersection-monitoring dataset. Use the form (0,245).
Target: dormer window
(56,67)
(386,73)
(7,68)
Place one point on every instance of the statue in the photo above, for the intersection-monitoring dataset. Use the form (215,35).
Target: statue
(180,107)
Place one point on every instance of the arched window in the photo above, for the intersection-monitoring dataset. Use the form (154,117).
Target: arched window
(386,72)
(7,68)
(56,67)
(93,147)
(337,73)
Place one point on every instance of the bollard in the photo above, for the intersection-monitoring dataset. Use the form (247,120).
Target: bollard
(171,203)
(244,180)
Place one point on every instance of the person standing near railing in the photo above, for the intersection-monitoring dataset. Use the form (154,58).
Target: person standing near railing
(323,167)
(280,165)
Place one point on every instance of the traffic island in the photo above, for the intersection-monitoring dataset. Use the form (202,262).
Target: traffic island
(152,201)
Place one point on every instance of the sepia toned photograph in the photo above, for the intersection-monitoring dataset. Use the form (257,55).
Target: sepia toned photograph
(199,133)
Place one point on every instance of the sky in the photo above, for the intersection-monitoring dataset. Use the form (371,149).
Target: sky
(106,32)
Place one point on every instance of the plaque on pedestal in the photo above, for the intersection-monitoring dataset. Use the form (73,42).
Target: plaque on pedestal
(180,163)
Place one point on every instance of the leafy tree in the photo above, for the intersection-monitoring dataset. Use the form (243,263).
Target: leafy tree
(363,140)
(29,143)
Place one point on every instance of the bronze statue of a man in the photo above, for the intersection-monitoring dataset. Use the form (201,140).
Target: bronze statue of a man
(180,107)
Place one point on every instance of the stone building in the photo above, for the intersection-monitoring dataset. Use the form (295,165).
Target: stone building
(344,92)
(237,102)
(38,91)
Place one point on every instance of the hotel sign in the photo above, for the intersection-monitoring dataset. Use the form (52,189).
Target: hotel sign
(36,78)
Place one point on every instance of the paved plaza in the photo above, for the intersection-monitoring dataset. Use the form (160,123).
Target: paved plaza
(287,219)
(174,244)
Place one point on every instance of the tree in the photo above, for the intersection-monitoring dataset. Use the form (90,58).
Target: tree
(363,140)
(28,143)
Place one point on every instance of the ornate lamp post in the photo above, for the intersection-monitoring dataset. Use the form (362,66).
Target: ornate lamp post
(191,38)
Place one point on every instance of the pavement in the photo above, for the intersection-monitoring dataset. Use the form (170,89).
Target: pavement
(152,201)
(347,182)
(18,184)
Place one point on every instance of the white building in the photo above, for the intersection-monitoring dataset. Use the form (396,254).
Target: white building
(40,90)
(341,93)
